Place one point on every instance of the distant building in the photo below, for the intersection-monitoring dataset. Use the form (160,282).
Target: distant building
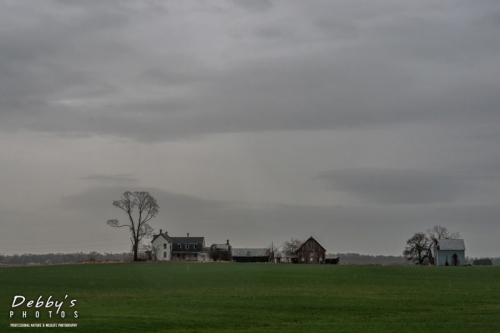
(221,252)
(449,252)
(250,255)
(189,248)
(311,252)
(284,257)
(332,259)
(162,247)
(166,248)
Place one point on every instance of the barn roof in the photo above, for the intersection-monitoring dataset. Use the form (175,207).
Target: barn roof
(248,252)
(451,244)
(311,238)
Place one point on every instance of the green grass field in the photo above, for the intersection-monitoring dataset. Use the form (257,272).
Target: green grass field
(183,297)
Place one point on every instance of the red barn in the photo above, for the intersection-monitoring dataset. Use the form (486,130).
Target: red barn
(311,252)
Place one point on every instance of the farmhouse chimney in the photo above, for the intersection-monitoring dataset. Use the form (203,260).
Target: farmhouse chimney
(160,231)
(188,234)
(166,233)
(227,242)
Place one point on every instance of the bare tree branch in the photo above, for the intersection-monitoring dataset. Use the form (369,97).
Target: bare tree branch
(291,246)
(139,228)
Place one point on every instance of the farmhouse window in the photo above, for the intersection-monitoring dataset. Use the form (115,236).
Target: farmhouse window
(187,246)
(164,246)
(194,246)
(164,254)
(180,246)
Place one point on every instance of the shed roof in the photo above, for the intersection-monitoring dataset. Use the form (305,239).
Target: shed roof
(331,256)
(451,244)
(248,252)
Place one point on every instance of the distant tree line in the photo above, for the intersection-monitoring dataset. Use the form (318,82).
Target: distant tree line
(62,258)
(366,259)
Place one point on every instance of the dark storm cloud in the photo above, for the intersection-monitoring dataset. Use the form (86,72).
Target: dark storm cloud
(86,70)
(395,186)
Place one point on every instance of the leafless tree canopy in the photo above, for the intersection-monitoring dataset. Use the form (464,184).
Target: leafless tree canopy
(145,207)
(416,248)
(292,245)
(438,232)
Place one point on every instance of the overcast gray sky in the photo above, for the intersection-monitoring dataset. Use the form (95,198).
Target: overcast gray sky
(357,122)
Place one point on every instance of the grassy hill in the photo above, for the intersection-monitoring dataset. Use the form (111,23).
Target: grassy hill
(183,297)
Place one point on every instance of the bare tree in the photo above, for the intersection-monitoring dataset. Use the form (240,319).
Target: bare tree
(417,248)
(147,208)
(438,232)
(291,246)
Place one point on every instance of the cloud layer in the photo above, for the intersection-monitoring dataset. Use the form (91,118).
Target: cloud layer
(252,120)
(161,71)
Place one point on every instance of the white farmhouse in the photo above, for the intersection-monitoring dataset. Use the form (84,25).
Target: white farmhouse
(162,246)
(449,252)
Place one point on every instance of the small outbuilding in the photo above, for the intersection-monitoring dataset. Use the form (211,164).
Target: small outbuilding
(449,252)
(332,259)
(250,255)
(221,252)
(284,257)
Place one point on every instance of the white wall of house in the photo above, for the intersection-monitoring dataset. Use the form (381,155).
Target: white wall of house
(163,249)
(447,255)
(203,256)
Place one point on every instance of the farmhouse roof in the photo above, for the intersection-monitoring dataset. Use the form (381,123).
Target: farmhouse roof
(187,240)
(164,236)
(247,252)
(451,244)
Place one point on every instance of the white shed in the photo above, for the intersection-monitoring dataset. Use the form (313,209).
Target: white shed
(449,252)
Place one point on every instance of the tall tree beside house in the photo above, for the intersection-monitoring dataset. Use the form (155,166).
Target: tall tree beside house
(140,208)
(416,249)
